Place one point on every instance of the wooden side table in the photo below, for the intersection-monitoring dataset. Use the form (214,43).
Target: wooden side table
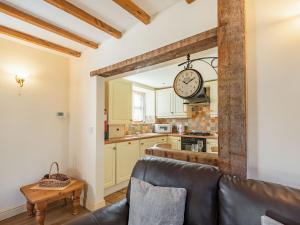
(39,199)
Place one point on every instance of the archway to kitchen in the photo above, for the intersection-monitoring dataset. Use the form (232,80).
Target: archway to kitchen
(231,79)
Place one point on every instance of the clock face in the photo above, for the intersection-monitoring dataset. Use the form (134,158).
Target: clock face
(188,83)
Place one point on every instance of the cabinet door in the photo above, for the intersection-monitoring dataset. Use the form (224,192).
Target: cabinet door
(127,155)
(150,142)
(179,108)
(144,146)
(211,143)
(213,98)
(109,165)
(175,142)
(164,103)
(120,102)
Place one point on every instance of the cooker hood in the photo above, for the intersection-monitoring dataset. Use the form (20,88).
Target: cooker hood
(201,98)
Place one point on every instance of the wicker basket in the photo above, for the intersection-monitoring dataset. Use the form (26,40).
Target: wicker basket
(54,180)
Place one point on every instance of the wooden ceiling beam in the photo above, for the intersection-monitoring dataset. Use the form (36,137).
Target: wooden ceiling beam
(189,1)
(11,11)
(84,16)
(135,10)
(38,41)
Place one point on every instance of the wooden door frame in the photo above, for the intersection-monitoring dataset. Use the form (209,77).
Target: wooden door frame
(230,39)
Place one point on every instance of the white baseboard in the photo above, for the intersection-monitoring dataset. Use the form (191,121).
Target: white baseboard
(97,205)
(115,188)
(7,213)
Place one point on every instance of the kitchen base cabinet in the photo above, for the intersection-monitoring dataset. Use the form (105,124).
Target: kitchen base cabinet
(127,155)
(150,142)
(175,142)
(109,165)
(211,144)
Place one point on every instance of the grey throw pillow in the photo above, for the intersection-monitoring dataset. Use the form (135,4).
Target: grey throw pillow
(265,220)
(154,205)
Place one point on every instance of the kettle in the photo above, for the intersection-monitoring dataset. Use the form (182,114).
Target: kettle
(180,128)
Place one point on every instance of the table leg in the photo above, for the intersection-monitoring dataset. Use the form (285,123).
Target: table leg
(30,208)
(76,201)
(40,212)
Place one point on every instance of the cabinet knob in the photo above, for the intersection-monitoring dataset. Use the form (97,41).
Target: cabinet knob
(129,143)
(114,148)
(142,143)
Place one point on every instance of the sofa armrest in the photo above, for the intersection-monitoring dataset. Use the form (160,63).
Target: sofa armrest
(115,214)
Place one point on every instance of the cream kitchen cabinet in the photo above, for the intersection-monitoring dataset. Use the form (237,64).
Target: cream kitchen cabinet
(213,95)
(164,103)
(119,102)
(179,109)
(150,142)
(175,142)
(210,144)
(109,165)
(169,105)
(127,154)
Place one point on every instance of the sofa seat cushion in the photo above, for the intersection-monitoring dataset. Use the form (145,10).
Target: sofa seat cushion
(243,202)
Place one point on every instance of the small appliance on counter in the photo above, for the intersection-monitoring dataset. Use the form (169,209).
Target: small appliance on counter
(163,128)
(181,129)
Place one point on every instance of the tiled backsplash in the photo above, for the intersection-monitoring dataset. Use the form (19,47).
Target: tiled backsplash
(200,120)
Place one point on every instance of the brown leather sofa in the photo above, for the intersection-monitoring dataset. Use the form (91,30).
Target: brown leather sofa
(212,199)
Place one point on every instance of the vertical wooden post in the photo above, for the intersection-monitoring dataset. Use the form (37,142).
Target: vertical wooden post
(232,87)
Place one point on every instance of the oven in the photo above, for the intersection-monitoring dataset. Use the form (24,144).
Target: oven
(193,144)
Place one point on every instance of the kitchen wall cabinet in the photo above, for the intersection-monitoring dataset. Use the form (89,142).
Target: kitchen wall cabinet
(127,155)
(119,102)
(175,142)
(213,95)
(164,103)
(210,144)
(109,165)
(169,105)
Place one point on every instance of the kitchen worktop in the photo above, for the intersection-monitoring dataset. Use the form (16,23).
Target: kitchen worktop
(189,156)
(153,135)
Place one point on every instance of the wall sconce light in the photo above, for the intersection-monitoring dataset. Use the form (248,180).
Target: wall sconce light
(20,80)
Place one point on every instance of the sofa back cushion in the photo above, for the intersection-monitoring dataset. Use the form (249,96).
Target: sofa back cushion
(243,202)
(200,181)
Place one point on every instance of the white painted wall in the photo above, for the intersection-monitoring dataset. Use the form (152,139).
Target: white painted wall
(31,136)
(273,90)
(86,108)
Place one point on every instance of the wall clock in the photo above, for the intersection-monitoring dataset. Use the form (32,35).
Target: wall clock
(188,83)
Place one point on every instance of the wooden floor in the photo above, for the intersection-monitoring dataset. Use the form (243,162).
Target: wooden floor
(115,197)
(55,215)
(60,213)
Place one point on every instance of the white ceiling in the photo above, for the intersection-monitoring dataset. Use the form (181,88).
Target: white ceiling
(106,10)
(164,75)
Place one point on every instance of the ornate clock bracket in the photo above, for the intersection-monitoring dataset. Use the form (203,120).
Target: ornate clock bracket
(211,61)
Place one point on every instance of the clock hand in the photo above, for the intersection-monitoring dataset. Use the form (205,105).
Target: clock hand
(190,80)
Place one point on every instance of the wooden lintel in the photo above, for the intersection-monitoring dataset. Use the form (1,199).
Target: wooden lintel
(135,10)
(38,41)
(194,44)
(11,11)
(84,16)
